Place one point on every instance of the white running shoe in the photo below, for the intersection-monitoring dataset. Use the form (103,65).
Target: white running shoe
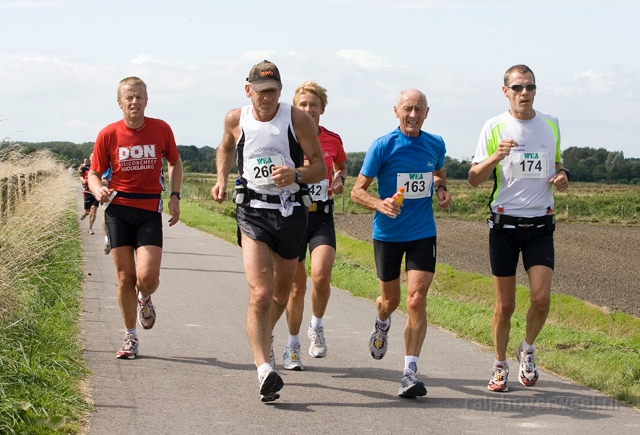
(528,372)
(292,359)
(318,345)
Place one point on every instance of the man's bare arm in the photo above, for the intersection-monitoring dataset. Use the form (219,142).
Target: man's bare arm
(361,196)
(225,154)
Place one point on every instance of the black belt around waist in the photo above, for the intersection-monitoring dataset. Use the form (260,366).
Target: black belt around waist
(499,220)
(129,195)
(271,199)
(325,207)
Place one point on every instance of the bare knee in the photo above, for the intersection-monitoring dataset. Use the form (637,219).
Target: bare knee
(416,302)
(504,310)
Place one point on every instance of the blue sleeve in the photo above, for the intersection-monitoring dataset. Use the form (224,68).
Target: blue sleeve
(372,161)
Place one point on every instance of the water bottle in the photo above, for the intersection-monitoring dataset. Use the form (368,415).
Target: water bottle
(398,197)
(239,192)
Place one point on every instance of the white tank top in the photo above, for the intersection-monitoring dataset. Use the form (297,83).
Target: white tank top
(263,145)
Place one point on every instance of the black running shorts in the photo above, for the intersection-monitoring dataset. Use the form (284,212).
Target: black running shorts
(420,255)
(283,235)
(130,226)
(89,201)
(320,231)
(536,245)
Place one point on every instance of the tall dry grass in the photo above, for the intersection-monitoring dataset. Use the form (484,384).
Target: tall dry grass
(13,162)
(30,232)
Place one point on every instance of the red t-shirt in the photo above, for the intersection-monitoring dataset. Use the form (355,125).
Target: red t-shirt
(135,157)
(332,151)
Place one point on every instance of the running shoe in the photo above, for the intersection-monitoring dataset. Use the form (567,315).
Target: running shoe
(498,381)
(91,230)
(107,248)
(378,342)
(292,358)
(129,348)
(528,373)
(83,215)
(146,314)
(410,386)
(318,347)
(270,385)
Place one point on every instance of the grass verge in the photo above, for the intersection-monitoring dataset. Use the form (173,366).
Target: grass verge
(41,367)
(583,343)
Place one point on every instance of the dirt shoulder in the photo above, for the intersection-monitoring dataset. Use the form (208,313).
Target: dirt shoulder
(597,264)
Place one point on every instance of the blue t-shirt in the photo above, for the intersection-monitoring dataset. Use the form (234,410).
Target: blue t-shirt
(400,160)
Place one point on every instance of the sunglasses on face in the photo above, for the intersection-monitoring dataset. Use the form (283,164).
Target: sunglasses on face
(519,88)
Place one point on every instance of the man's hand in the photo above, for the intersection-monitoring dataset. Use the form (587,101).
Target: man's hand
(388,207)
(504,148)
(174,210)
(444,199)
(560,181)
(283,175)
(336,186)
(219,192)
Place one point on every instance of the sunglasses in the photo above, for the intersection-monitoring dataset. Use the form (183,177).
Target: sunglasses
(519,88)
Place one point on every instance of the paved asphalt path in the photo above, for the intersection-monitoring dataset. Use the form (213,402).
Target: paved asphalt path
(195,372)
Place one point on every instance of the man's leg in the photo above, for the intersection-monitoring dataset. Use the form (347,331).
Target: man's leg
(389,298)
(92,215)
(416,327)
(504,308)
(124,260)
(322,260)
(540,294)
(258,268)
(148,260)
(295,306)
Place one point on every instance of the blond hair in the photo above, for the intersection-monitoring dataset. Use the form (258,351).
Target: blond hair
(131,81)
(315,89)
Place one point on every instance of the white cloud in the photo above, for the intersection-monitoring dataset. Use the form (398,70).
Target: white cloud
(33,5)
(365,59)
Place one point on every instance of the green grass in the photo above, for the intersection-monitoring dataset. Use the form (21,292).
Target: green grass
(596,349)
(41,366)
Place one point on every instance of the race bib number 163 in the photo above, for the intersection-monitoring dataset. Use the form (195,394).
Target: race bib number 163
(417,185)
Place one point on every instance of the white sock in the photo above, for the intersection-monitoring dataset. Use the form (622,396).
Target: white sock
(316,322)
(294,340)
(132,332)
(106,239)
(526,346)
(504,364)
(408,359)
(383,325)
(142,298)
(264,369)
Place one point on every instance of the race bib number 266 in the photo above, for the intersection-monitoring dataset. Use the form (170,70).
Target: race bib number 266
(259,169)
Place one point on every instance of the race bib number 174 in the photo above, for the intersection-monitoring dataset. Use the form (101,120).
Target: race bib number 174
(530,165)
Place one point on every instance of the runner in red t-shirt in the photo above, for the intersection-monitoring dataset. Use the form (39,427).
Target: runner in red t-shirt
(320,237)
(90,202)
(134,148)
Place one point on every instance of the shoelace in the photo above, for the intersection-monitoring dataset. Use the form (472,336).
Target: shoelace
(317,337)
(529,361)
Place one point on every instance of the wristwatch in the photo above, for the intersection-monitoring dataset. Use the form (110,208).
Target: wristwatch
(442,186)
(298,175)
(175,194)
(566,171)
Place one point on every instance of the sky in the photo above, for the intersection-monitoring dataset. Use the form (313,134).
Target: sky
(61,61)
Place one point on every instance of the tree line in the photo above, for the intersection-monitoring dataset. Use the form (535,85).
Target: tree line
(586,164)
